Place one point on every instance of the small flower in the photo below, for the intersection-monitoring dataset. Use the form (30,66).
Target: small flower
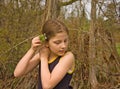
(42,37)
(45,36)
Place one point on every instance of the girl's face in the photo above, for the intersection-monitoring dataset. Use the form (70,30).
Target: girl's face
(58,44)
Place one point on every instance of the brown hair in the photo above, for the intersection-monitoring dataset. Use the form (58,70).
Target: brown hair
(53,26)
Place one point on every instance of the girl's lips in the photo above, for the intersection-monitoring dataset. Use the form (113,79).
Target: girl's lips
(62,51)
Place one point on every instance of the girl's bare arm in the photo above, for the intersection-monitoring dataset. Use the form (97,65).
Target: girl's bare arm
(29,60)
(27,63)
(50,80)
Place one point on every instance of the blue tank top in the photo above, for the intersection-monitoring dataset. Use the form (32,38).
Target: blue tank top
(63,84)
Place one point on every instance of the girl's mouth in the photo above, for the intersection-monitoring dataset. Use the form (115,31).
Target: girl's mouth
(62,51)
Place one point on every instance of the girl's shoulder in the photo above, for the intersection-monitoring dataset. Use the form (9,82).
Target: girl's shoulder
(69,60)
(68,56)
(69,53)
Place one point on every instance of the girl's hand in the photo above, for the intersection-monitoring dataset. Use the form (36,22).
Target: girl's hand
(36,43)
(44,53)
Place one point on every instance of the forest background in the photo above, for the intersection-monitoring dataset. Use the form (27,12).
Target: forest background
(94,39)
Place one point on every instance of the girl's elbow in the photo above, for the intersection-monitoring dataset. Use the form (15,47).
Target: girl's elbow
(16,74)
(47,86)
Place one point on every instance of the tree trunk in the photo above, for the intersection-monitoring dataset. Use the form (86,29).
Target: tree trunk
(52,10)
(92,51)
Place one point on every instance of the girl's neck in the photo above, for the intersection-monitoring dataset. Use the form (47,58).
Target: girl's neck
(52,56)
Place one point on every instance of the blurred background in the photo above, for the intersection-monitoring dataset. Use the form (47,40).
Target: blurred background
(94,27)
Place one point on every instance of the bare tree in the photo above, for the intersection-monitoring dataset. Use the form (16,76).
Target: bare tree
(92,49)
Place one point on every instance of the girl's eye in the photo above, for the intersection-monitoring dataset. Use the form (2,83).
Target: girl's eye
(66,40)
(57,42)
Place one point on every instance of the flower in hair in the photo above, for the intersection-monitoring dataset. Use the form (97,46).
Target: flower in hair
(42,37)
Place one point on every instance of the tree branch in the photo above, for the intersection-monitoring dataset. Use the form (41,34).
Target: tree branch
(67,3)
(17,45)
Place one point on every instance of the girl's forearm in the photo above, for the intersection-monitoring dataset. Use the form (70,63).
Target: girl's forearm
(45,74)
(23,63)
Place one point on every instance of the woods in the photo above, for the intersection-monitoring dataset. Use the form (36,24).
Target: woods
(94,39)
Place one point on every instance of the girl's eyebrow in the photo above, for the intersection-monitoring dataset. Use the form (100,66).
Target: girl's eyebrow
(56,40)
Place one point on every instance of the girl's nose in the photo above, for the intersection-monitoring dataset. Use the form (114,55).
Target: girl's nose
(64,45)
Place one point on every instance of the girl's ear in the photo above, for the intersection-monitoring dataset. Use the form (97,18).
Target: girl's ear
(47,45)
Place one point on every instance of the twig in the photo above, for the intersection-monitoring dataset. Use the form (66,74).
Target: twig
(109,73)
(17,45)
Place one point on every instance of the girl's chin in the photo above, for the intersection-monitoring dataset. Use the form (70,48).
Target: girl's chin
(61,54)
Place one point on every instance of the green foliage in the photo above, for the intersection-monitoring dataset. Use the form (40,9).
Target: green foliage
(42,37)
(85,24)
(118,48)
(16,25)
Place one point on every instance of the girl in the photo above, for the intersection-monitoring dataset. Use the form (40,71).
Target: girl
(56,64)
